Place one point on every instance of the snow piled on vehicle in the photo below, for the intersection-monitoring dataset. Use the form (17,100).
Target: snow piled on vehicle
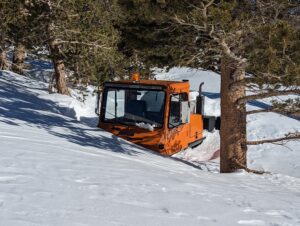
(146,126)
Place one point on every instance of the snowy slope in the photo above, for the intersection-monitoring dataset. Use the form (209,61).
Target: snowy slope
(55,170)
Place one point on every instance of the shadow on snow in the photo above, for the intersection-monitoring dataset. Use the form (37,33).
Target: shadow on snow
(263,105)
(18,105)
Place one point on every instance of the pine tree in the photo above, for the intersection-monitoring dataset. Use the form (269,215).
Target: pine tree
(257,38)
(4,41)
(74,27)
(19,32)
(15,31)
(95,64)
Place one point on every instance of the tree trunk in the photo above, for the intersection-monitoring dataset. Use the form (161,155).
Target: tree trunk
(18,59)
(77,73)
(3,60)
(58,63)
(233,124)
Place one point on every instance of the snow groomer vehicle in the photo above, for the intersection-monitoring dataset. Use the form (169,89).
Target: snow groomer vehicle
(155,114)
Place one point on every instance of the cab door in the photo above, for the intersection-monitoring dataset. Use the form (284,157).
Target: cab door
(178,123)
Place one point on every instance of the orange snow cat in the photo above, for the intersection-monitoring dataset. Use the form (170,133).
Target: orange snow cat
(155,114)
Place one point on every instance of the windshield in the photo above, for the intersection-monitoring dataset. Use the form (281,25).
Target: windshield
(133,106)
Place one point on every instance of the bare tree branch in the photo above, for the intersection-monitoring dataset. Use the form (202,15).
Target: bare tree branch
(204,28)
(271,93)
(296,113)
(184,23)
(226,50)
(83,43)
(288,137)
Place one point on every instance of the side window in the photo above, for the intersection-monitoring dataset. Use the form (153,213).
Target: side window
(175,111)
(110,104)
(114,104)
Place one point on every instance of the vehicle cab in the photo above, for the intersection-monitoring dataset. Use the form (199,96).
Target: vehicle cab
(155,114)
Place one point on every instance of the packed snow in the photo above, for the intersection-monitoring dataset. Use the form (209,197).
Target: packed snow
(57,168)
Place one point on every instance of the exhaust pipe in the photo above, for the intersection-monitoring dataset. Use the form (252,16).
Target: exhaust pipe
(200,101)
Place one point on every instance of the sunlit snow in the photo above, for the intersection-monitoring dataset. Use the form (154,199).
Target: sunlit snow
(57,170)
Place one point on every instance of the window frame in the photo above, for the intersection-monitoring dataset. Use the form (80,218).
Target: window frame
(171,95)
(122,87)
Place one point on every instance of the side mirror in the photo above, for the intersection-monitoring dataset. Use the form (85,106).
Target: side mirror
(98,104)
(184,112)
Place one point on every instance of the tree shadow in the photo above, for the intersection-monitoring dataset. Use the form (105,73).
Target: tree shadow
(259,104)
(19,106)
(211,95)
(43,70)
(263,105)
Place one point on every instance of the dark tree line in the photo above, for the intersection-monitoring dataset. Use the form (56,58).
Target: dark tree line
(76,34)
(254,45)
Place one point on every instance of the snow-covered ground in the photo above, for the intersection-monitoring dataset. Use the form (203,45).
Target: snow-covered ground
(55,170)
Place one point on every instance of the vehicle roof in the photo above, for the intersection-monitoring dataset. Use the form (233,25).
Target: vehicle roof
(173,86)
(149,82)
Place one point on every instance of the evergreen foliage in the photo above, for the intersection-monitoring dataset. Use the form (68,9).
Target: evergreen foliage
(149,38)
(92,51)
(84,33)
(275,55)
(5,13)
